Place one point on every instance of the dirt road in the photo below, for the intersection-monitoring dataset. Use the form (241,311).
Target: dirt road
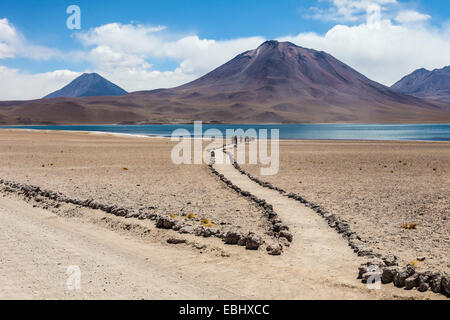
(37,247)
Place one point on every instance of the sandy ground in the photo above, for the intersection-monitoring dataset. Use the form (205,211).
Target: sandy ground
(130,258)
(125,171)
(377,187)
(122,258)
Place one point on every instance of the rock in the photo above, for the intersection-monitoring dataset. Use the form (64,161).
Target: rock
(187,230)
(342,227)
(436,282)
(390,260)
(362,270)
(446,284)
(165,223)
(278,227)
(412,281)
(421,259)
(271,214)
(402,275)
(363,251)
(377,262)
(425,277)
(175,241)
(285,242)
(242,241)
(232,237)
(276,220)
(371,274)
(423,287)
(253,242)
(133,214)
(286,234)
(205,232)
(274,249)
(389,273)
(355,244)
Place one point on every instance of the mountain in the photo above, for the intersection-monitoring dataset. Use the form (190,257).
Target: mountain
(278,82)
(88,85)
(426,84)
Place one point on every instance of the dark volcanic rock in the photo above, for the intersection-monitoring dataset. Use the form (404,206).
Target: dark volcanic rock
(88,85)
(232,237)
(165,223)
(253,242)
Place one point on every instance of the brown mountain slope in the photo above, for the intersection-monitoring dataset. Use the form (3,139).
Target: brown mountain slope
(275,83)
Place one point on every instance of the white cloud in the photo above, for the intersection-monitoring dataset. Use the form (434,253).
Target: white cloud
(126,52)
(411,16)
(16,85)
(13,44)
(138,44)
(348,10)
(381,49)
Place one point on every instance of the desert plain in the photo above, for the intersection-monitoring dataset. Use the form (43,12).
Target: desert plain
(376,187)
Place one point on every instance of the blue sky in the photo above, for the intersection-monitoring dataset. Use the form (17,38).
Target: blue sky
(150,44)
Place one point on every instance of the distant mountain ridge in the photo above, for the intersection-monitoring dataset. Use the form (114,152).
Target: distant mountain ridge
(88,85)
(278,82)
(426,84)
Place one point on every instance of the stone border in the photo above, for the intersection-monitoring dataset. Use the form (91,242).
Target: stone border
(278,230)
(161,221)
(386,267)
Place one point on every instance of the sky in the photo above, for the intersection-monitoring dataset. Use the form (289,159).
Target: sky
(146,44)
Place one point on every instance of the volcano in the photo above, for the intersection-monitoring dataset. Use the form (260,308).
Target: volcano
(88,85)
(278,82)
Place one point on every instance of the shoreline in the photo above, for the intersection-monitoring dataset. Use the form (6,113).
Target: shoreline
(119,134)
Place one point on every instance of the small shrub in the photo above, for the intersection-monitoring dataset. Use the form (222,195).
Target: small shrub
(191,216)
(415,263)
(207,223)
(410,226)
(125,169)
(434,169)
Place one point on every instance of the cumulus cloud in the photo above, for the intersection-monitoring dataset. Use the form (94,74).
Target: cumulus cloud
(348,10)
(124,53)
(411,16)
(13,44)
(139,44)
(380,48)
(16,85)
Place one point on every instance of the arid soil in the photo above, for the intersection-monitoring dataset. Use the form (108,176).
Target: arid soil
(131,258)
(377,187)
(125,171)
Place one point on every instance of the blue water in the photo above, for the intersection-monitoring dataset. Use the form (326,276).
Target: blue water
(420,132)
